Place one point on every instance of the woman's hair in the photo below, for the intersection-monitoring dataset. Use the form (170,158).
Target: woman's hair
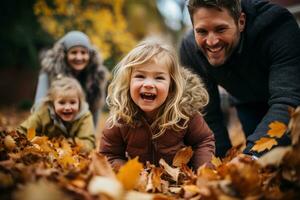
(123,109)
(63,86)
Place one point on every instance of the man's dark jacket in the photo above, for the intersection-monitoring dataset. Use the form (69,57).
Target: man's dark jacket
(264,68)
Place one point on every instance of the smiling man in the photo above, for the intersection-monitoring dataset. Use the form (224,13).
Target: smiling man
(252,49)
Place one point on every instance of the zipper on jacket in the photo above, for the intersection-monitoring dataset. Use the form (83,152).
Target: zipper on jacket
(153,144)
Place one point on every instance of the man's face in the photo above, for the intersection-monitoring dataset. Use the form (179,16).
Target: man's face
(216,33)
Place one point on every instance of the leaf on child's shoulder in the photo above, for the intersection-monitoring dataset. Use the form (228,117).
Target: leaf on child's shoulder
(277,129)
(31,133)
(264,144)
(129,173)
(182,156)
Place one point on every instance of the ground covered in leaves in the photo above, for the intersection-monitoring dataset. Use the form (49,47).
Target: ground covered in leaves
(36,167)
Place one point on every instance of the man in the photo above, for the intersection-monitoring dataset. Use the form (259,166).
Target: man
(252,49)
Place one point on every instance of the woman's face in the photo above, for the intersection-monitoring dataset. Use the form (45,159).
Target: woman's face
(78,58)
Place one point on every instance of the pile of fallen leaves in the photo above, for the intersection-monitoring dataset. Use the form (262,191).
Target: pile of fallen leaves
(36,167)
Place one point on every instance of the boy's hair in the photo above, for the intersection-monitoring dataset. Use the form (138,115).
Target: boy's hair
(233,6)
(122,107)
(64,84)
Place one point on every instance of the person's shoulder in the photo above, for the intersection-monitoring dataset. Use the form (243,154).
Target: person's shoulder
(188,38)
(42,113)
(263,10)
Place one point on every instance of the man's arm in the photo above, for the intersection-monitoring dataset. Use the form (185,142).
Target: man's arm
(283,54)
(213,114)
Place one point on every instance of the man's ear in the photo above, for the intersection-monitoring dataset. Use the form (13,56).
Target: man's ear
(242,22)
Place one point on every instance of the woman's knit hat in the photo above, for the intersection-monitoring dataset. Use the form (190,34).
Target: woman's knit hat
(75,38)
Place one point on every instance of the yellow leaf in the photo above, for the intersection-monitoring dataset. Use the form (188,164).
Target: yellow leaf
(216,161)
(66,160)
(129,173)
(31,133)
(263,144)
(182,156)
(277,129)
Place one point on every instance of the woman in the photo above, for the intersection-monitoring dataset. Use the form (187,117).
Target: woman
(74,56)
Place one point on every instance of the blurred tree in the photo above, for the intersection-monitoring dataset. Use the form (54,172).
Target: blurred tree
(20,35)
(102,20)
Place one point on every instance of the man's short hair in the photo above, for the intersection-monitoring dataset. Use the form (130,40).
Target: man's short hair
(233,6)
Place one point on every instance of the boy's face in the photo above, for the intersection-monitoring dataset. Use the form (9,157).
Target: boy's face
(217,34)
(66,106)
(149,86)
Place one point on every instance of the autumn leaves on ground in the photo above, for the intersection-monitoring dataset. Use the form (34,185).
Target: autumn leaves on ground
(33,167)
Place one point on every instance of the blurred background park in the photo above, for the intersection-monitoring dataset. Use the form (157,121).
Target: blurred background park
(114,26)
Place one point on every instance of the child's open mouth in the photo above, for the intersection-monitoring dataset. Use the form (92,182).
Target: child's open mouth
(67,114)
(148,96)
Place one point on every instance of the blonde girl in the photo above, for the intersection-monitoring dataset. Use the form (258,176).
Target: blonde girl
(154,109)
(63,112)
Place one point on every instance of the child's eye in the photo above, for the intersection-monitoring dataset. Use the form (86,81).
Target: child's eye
(160,78)
(62,102)
(139,76)
(73,102)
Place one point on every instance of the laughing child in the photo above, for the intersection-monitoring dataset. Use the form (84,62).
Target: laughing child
(155,109)
(64,112)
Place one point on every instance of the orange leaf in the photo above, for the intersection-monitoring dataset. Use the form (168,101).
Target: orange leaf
(277,129)
(31,133)
(216,161)
(129,173)
(263,144)
(182,156)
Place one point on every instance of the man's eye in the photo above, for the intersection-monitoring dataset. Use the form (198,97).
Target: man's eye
(201,31)
(221,30)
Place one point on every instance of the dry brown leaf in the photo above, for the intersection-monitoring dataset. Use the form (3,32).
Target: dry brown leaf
(207,173)
(6,180)
(129,173)
(154,180)
(173,172)
(190,191)
(182,156)
(263,144)
(31,133)
(41,189)
(42,141)
(9,142)
(245,177)
(274,157)
(105,185)
(216,161)
(132,195)
(100,166)
(66,160)
(277,129)
(294,126)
